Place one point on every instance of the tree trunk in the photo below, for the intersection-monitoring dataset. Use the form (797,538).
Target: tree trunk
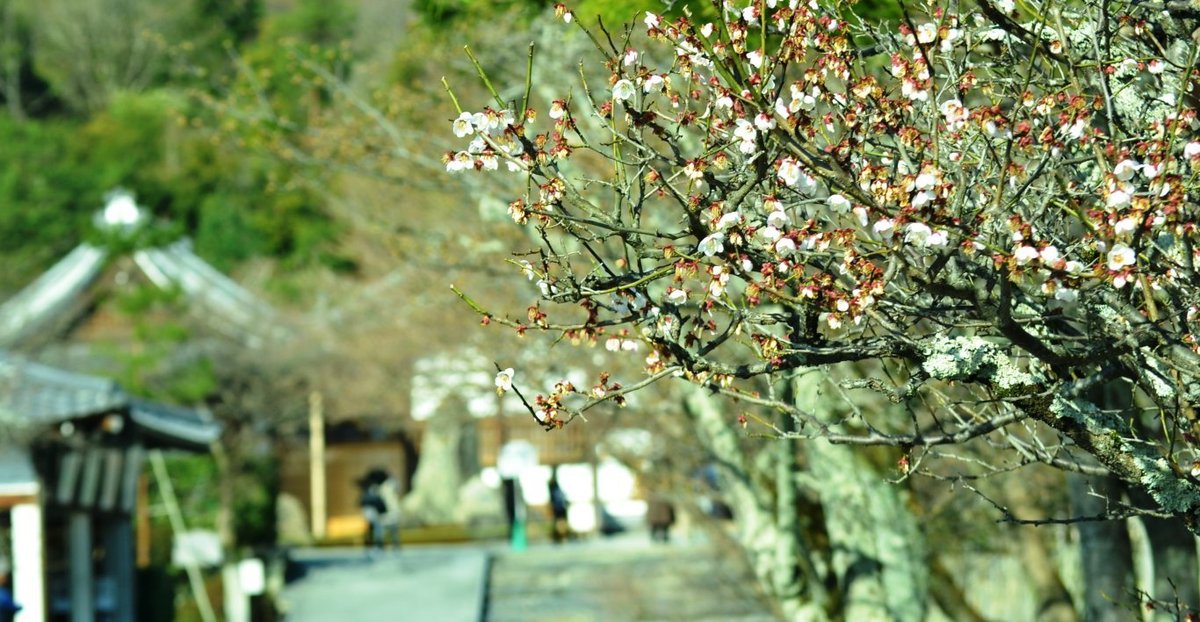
(782,565)
(1105,550)
(879,556)
(949,596)
(1175,563)
(1054,602)
(878,551)
(438,480)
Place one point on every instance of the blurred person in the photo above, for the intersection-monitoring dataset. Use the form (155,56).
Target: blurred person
(660,514)
(560,529)
(373,509)
(8,606)
(389,493)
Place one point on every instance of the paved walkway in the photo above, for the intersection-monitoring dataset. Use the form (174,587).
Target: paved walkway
(443,584)
(624,579)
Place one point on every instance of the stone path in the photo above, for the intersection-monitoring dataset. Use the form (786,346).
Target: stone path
(442,584)
(617,583)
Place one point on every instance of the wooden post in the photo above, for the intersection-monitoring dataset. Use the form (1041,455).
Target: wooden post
(79,557)
(316,466)
(119,564)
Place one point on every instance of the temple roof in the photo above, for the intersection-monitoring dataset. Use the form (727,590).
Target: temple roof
(218,301)
(33,395)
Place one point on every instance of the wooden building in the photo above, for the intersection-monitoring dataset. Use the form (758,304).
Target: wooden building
(70,463)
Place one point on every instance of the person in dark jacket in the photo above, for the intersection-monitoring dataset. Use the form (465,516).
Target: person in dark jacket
(373,509)
(559,528)
(660,515)
(8,606)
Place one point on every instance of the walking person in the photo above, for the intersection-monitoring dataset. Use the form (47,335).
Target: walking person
(560,529)
(373,510)
(389,493)
(660,515)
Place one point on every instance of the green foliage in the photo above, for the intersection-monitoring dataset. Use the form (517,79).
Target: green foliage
(440,14)
(614,13)
(254,508)
(195,479)
(40,211)
(320,22)
(236,19)
(444,13)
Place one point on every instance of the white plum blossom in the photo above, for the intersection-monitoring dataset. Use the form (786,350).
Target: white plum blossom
(781,108)
(1025,254)
(631,57)
(884,227)
(861,214)
(462,125)
(1120,256)
(1125,225)
(623,90)
(1049,254)
(720,279)
(925,181)
(1118,199)
(778,218)
(504,380)
(789,171)
(917,233)
(1191,150)
(729,220)
(1126,169)
(912,90)
(461,161)
(955,113)
(927,32)
(937,238)
(770,234)
(713,244)
(755,58)
(1156,66)
(838,203)
(527,269)
(952,35)
(785,247)
(651,20)
(923,198)
(676,296)
(745,130)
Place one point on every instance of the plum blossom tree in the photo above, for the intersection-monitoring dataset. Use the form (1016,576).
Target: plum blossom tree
(980,222)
